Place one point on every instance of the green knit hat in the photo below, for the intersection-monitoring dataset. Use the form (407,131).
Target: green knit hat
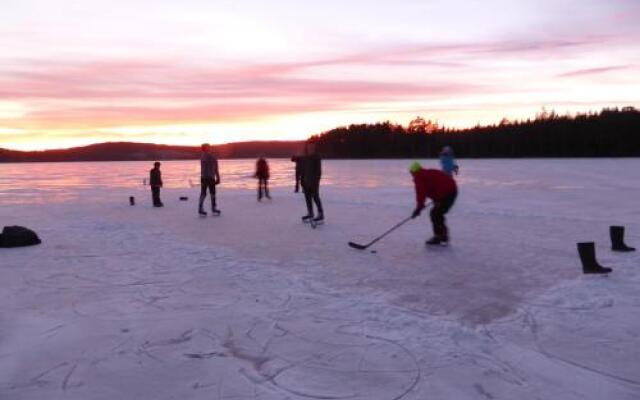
(415,166)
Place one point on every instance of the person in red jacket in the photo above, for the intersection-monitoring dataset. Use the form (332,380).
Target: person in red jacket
(442,190)
(262,173)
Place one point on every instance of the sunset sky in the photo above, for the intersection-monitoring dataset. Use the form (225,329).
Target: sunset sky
(192,71)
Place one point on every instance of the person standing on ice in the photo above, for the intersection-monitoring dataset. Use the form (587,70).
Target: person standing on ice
(262,173)
(310,182)
(209,178)
(448,161)
(298,160)
(442,190)
(155,181)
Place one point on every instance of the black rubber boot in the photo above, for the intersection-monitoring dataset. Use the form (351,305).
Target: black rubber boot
(617,239)
(587,252)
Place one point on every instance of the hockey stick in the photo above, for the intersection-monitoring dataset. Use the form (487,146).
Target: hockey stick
(396,226)
(365,246)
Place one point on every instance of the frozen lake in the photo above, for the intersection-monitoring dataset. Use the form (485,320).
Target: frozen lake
(125,302)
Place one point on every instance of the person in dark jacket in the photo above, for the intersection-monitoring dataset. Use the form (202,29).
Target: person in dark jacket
(209,178)
(262,173)
(155,181)
(442,190)
(299,161)
(310,182)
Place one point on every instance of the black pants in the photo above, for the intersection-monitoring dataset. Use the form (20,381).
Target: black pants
(263,184)
(207,183)
(155,195)
(312,195)
(438,220)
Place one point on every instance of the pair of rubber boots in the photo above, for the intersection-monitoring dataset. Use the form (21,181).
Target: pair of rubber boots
(587,251)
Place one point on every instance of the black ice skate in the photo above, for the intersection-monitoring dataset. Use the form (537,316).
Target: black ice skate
(437,240)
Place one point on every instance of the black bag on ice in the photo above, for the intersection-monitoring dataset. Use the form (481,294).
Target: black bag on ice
(18,236)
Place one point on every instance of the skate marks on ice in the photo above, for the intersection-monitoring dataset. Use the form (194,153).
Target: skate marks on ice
(567,330)
(320,365)
(197,328)
(241,361)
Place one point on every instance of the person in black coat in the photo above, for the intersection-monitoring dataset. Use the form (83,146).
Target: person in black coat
(155,181)
(310,182)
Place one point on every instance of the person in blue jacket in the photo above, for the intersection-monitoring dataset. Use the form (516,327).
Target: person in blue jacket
(448,161)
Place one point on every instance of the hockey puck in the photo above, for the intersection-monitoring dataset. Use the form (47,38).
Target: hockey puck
(373,251)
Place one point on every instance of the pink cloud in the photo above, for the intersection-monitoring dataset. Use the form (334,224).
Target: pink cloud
(162,81)
(593,71)
(99,93)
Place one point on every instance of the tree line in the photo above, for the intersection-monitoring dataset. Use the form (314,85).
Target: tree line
(611,132)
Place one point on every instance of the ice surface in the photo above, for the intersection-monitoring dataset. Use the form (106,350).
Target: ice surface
(124,302)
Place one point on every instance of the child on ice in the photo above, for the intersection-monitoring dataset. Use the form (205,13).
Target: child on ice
(262,173)
(448,161)
(442,189)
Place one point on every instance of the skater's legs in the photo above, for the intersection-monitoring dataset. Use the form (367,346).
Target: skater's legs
(155,195)
(437,214)
(212,189)
(203,193)
(316,199)
(438,221)
(263,190)
(308,195)
(266,188)
(205,184)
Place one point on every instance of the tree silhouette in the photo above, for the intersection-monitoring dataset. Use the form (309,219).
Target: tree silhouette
(612,132)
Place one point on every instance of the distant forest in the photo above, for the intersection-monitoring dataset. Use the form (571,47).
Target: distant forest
(608,133)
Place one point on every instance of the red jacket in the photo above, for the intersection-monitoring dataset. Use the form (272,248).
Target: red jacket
(262,169)
(434,184)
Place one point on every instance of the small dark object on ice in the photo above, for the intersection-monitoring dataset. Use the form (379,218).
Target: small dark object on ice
(184,198)
(132,200)
(617,239)
(373,251)
(18,236)
(587,252)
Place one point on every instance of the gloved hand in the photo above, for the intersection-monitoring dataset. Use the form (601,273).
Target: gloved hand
(417,211)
